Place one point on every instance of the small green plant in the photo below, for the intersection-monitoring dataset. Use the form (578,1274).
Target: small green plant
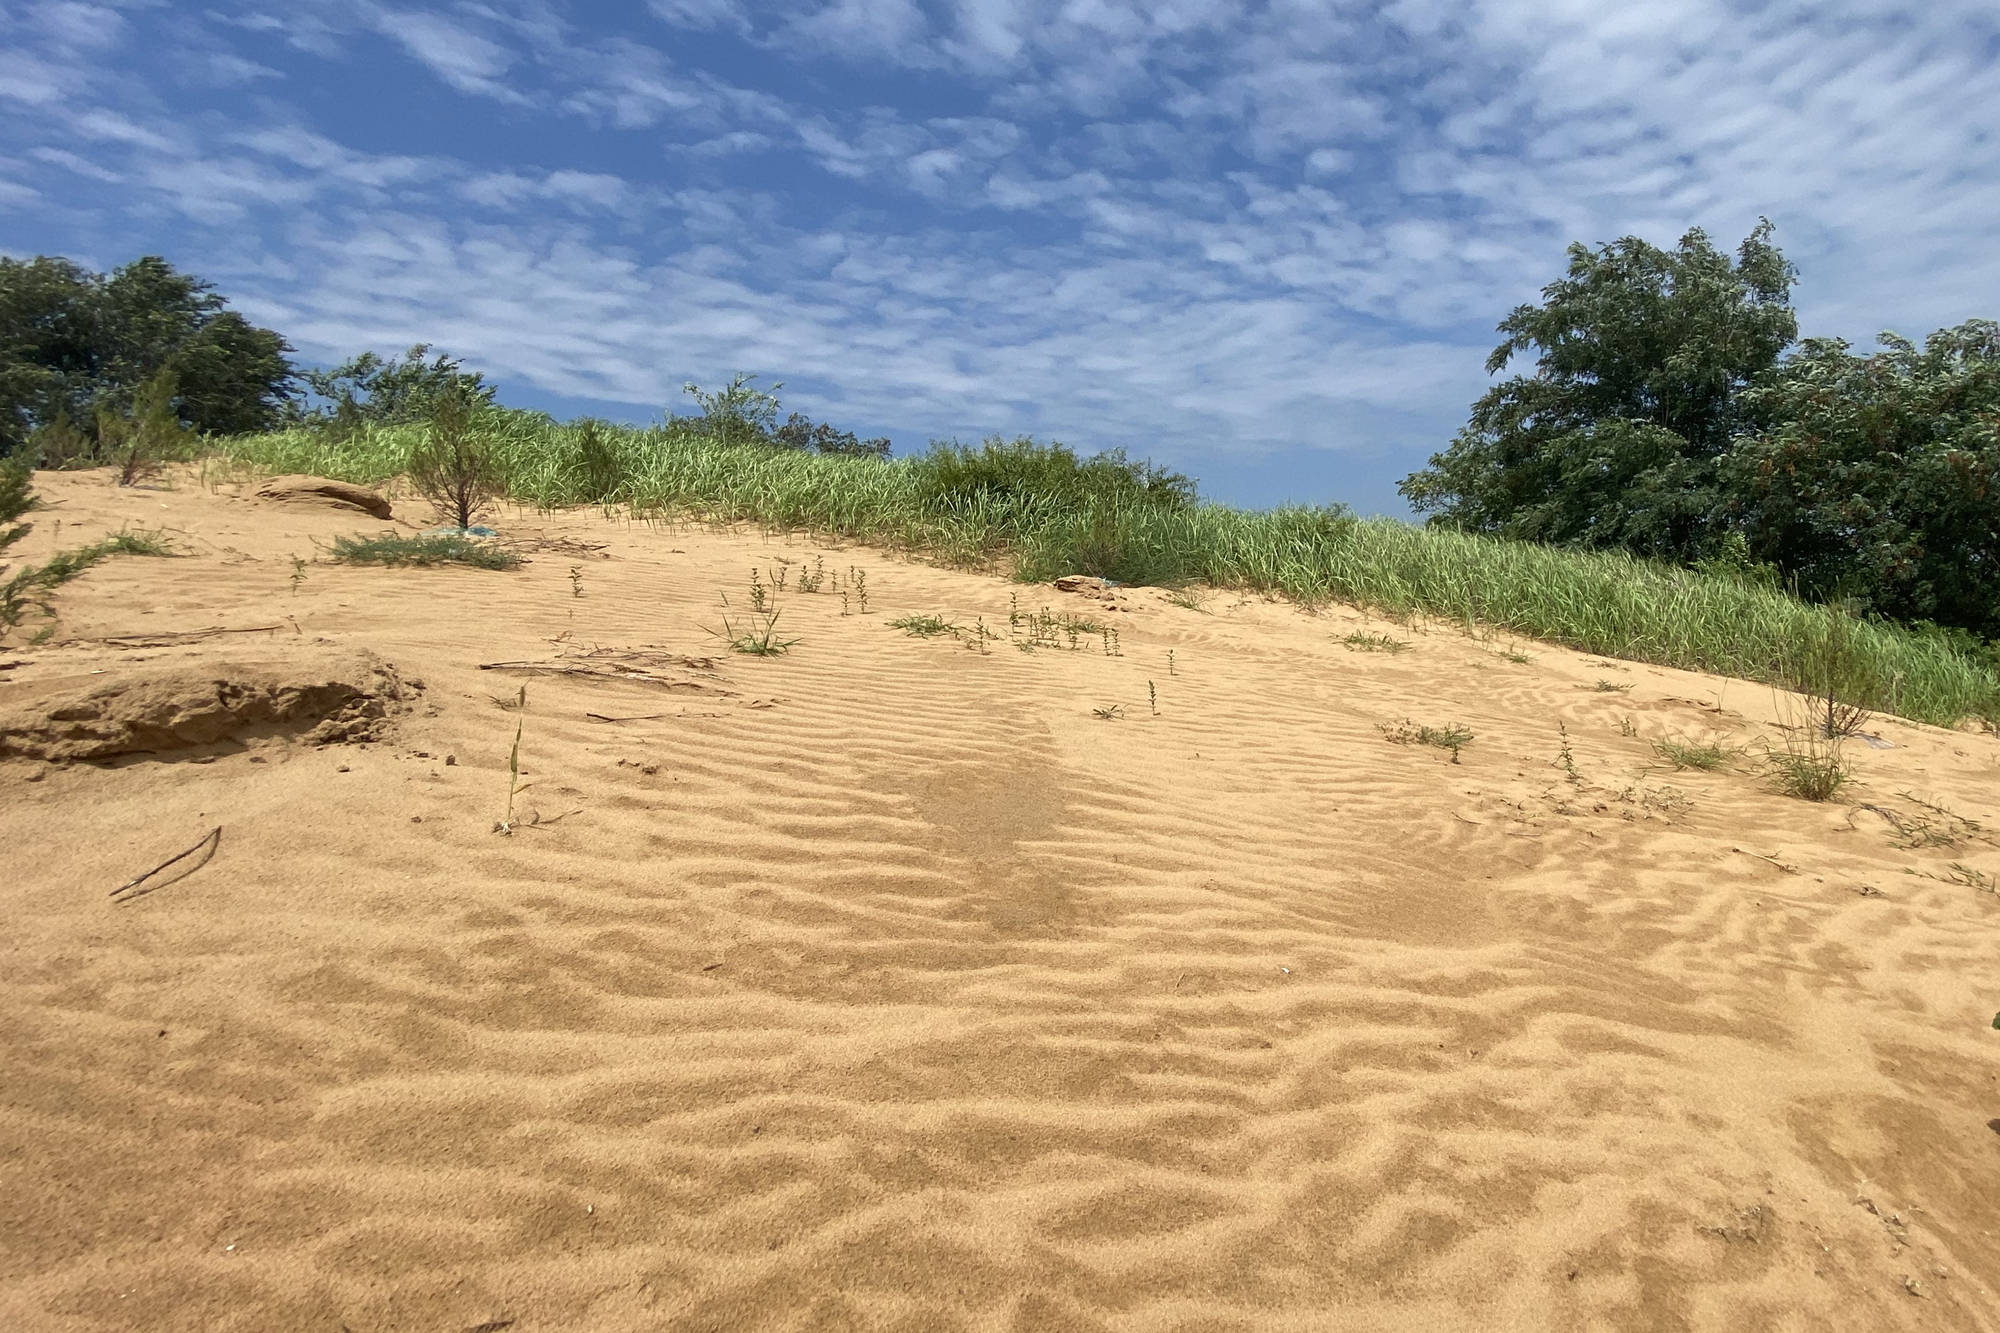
(1152,698)
(1612,686)
(810,581)
(760,596)
(298,574)
(1109,712)
(140,444)
(576,580)
(1170,663)
(30,585)
(1566,758)
(757,638)
(1453,737)
(1111,648)
(1374,643)
(431,549)
(1702,756)
(1626,727)
(1189,598)
(1013,611)
(858,578)
(924,627)
(980,635)
(1517,657)
(843,601)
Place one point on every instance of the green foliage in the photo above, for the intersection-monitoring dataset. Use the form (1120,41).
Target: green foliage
(603,471)
(1452,737)
(75,346)
(369,390)
(17,497)
(1879,476)
(434,549)
(1022,483)
(1374,643)
(139,444)
(799,432)
(738,414)
(924,626)
(1614,441)
(454,467)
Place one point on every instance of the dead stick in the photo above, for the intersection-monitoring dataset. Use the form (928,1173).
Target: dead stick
(209,843)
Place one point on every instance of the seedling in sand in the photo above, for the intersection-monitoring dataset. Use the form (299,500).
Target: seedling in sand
(576,580)
(1109,712)
(859,578)
(506,825)
(298,574)
(1170,663)
(1153,698)
(1626,727)
(1374,643)
(1191,599)
(759,595)
(1453,738)
(1566,759)
(1612,686)
(811,581)
(1809,766)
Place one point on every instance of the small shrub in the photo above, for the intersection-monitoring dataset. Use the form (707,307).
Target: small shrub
(454,466)
(603,470)
(433,549)
(757,638)
(141,444)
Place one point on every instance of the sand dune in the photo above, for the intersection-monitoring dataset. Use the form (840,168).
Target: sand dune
(882,984)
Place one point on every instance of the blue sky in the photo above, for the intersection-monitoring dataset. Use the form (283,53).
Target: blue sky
(1265,243)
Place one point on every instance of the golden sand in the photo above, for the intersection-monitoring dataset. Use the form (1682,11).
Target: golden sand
(883,985)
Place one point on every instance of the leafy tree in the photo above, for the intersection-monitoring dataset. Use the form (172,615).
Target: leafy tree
(1878,477)
(75,344)
(1642,356)
(738,414)
(799,432)
(373,390)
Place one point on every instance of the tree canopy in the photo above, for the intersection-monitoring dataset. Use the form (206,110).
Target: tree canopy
(75,344)
(393,390)
(1878,477)
(1642,357)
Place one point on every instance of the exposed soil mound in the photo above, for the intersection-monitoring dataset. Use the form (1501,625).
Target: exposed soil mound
(324,492)
(320,699)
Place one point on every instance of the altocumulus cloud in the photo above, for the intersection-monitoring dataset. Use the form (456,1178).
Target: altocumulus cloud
(1265,242)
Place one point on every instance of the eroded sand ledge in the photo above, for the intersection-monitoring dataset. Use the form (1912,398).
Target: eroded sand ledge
(881,985)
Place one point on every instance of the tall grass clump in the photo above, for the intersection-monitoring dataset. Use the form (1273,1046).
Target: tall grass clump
(1045,511)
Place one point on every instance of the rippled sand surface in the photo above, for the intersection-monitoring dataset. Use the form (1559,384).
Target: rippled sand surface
(884,985)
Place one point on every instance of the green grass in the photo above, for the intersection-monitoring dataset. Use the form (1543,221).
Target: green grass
(394,549)
(1604,603)
(924,627)
(1683,754)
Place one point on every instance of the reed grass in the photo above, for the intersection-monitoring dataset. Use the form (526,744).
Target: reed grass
(1610,604)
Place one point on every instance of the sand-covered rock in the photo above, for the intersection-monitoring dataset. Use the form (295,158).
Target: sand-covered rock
(318,697)
(325,493)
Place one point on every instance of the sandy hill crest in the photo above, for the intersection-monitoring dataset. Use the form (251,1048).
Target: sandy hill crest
(1137,970)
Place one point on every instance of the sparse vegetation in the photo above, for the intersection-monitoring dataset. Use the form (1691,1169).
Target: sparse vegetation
(1594,601)
(454,467)
(1109,712)
(1612,686)
(28,587)
(1374,643)
(1453,737)
(432,549)
(1566,758)
(756,637)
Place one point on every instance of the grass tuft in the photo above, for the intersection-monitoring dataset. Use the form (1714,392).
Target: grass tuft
(1453,737)
(1684,754)
(444,549)
(1374,643)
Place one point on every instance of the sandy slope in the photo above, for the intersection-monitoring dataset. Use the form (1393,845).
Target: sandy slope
(883,986)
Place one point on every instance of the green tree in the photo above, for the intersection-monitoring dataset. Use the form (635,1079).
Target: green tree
(1878,477)
(1642,357)
(454,466)
(373,390)
(739,413)
(76,344)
